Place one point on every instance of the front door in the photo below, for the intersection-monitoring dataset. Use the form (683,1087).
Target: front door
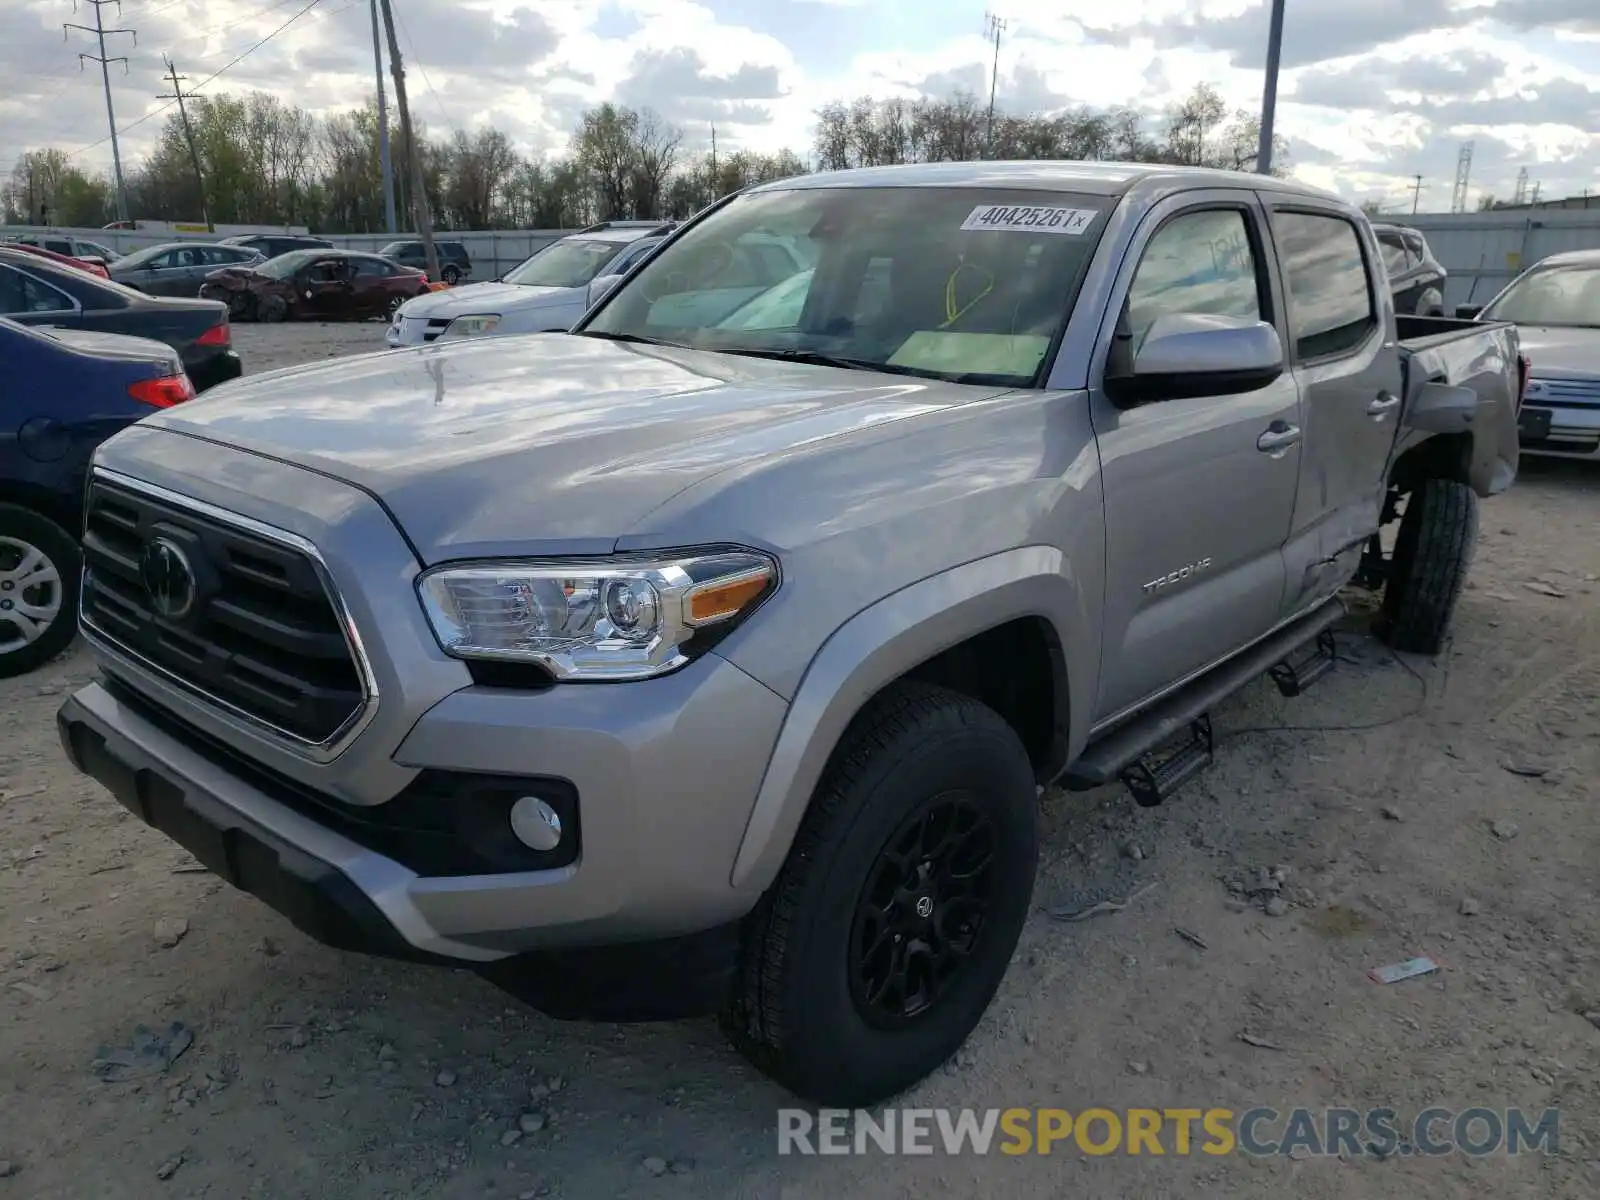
(1344,357)
(1198,491)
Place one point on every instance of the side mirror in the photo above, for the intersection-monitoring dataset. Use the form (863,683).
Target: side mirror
(1188,355)
(1468,312)
(600,287)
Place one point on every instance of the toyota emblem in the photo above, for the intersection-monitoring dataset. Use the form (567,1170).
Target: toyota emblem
(168,578)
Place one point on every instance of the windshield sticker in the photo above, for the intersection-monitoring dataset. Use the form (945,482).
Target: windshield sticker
(1024,218)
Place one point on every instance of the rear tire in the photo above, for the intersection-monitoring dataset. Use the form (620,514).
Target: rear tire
(1432,553)
(39,565)
(811,1008)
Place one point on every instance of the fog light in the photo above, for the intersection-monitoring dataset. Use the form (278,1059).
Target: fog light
(536,824)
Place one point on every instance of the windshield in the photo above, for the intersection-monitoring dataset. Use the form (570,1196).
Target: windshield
(285,265)
(569,263)
(1551,296)
(968,284)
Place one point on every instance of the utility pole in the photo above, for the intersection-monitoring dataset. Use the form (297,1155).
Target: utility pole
(100,32)
(716,188)
(1269,93)
(188,136)
(1416,193)
(993,27)
(383,130)
(419,197)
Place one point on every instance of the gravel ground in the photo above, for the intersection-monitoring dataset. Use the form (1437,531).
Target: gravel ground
(1402,807)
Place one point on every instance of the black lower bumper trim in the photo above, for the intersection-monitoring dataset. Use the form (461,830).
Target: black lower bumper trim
(665,979)
(315,896)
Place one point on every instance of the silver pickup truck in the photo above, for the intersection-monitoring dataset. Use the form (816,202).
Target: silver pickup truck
(713,656)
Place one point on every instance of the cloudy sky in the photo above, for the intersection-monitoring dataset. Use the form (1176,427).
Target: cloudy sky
(1373,92)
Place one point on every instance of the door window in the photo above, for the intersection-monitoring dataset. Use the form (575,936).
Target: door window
(1330,300)
(21,293)
(1199,262)
(371,267)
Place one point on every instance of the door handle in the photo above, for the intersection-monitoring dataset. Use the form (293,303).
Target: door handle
(1277,438)
(1382,405)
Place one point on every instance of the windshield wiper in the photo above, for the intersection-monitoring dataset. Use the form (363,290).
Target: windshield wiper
(815,358)
(635,338)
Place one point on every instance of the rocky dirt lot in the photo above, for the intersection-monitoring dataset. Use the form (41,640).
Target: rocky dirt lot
(1401,808)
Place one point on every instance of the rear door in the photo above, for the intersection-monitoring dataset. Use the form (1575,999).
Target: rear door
(1344,355)
(1199,490)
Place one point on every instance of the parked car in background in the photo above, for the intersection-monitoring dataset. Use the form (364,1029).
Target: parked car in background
(35,292)
(546,292)
(81,264)
(1416,278)
(455,264)
(315,285)
(274,244)
(62,393)
(72,247)
(1555,305)
(179,268)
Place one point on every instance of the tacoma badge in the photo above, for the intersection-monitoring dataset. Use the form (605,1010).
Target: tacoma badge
(1177,576)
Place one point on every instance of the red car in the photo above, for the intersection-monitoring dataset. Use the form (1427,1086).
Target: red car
(315,285)
(93,268)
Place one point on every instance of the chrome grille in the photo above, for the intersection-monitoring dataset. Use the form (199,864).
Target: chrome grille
(263,638)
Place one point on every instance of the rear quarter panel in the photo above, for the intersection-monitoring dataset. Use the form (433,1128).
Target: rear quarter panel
(1477,355)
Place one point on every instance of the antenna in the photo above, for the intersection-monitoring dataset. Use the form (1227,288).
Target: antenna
(1458,197)
(1416,193)
(993,27)
(1520,196)
(100,31)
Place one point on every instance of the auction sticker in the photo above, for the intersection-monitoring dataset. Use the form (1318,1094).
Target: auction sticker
(1026,218)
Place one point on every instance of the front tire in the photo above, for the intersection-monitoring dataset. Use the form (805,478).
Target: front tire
(451,275)
(1432,553)
(39,565)
(883,940)
(272,309)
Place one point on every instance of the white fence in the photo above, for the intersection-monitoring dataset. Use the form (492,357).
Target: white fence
(1483,251)
(493,252)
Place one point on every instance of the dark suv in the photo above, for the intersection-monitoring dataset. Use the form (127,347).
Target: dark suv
(274,244)
(454,262)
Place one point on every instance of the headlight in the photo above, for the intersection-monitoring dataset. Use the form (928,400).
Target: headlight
(618,618)
(475,325)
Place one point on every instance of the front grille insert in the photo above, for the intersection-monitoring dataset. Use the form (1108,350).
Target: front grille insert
(263,636)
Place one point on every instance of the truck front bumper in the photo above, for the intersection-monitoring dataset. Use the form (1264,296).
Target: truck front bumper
(642,925)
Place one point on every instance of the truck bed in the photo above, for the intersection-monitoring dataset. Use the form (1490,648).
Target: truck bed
(1483,356)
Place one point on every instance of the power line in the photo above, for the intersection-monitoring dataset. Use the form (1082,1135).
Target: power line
(423,71)
(227,66)
(100,32)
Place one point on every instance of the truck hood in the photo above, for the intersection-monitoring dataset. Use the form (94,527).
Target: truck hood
(543,443)
(1558,352)
(485,298)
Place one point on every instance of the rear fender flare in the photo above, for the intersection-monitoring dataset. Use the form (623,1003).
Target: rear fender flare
(885,641)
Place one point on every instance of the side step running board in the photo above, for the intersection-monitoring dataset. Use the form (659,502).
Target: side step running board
(1294,675)
(1104,761)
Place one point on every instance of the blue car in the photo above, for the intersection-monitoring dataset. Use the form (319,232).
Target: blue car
(62,393)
